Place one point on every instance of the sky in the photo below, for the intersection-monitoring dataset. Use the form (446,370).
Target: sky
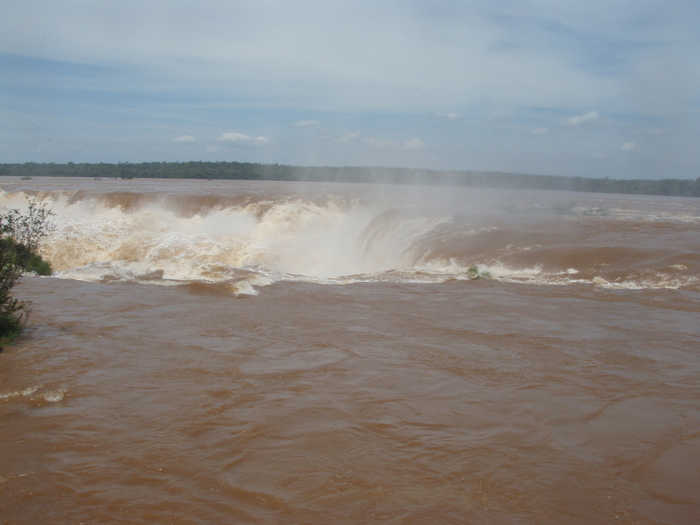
(561,87)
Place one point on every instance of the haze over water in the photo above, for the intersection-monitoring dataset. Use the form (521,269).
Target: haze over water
(267,352)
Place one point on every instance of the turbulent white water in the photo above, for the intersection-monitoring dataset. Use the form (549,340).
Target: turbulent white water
(243,239)
(285,240)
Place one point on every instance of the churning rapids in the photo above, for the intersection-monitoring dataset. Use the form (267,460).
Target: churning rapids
(215,352)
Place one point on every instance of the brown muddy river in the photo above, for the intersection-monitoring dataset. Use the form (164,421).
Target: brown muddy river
(276,353)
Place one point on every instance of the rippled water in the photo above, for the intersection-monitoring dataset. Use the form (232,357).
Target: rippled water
(237,352)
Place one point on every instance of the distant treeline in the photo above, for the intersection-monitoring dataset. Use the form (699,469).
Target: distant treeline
(251,171)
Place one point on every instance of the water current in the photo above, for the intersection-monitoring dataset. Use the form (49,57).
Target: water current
(214,352)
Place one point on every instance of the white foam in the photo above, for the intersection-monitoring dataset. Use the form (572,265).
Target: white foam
(660,281)
(243,288)
(288,238)
(250,245)
(54,397)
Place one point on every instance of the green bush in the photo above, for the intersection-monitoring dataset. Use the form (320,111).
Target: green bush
(476,273)
(39,266)
(21,235)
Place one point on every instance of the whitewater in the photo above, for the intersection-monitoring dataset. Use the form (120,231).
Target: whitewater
(244,236)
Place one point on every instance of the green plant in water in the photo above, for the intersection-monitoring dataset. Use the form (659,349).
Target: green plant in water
(475,273)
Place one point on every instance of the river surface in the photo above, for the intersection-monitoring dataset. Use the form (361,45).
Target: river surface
(217,352)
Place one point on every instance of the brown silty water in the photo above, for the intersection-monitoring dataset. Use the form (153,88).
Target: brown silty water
(238,352)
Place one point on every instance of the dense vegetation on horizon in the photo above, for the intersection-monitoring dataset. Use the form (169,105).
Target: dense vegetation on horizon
(253,171)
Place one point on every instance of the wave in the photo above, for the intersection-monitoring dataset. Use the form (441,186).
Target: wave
(246,240)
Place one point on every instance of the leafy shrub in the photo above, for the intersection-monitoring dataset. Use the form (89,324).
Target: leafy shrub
(39,266)
(21,235)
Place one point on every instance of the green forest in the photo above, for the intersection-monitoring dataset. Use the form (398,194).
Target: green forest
(253,171)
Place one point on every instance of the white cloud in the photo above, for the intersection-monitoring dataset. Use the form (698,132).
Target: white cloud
(582,119)
(350,137)
(184,138)
(319,54)
(212,149)
(376,143)
(450,117)
(540,131)
(241,138)
(414,144)
(629,146)
(306,123)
